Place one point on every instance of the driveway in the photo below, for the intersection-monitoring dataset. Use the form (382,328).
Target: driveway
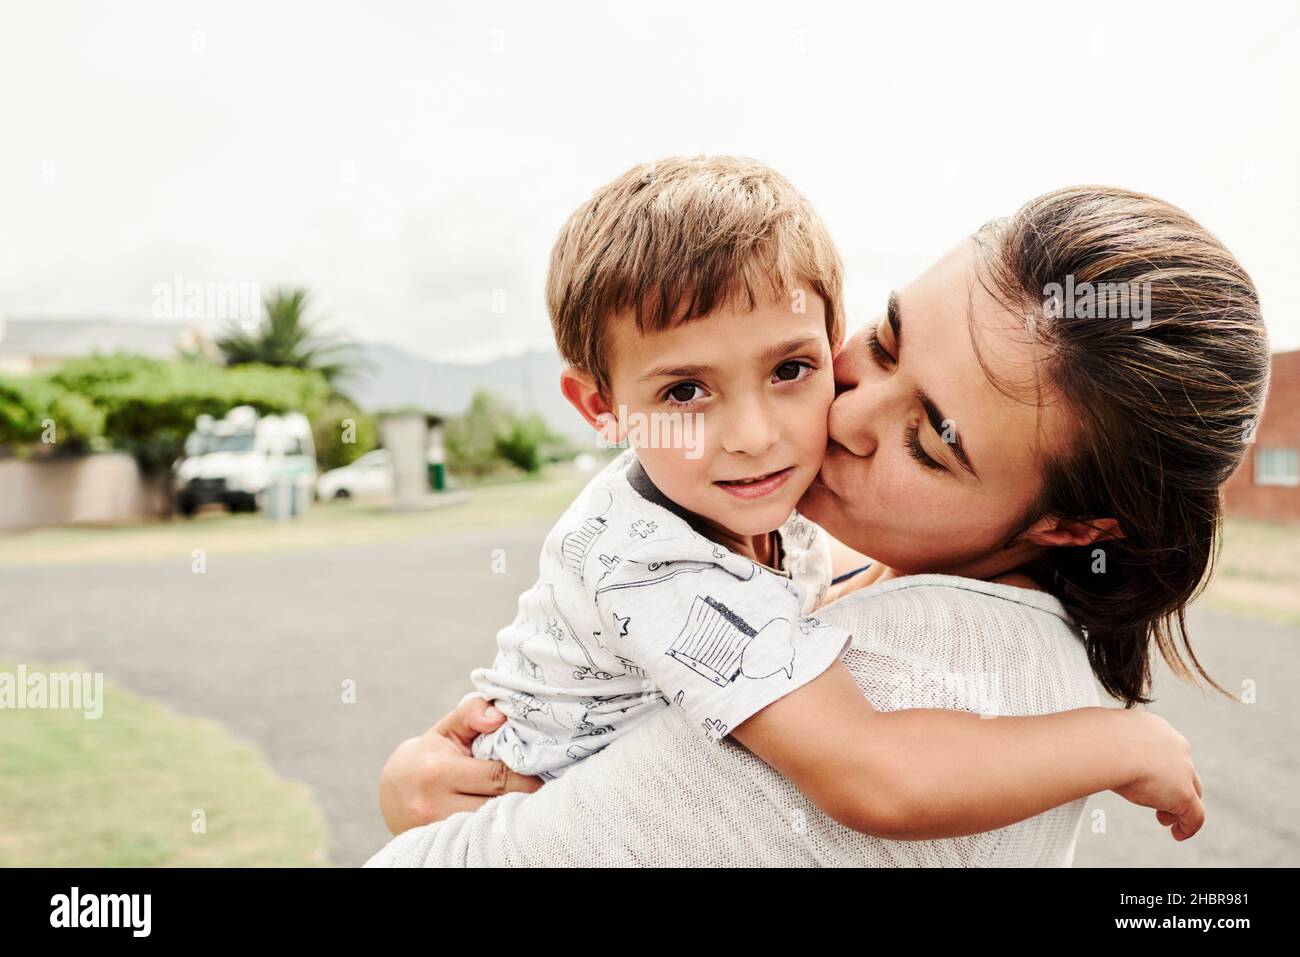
(266,643)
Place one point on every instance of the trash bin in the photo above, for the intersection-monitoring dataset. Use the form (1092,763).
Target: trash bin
(276,499)
(285,497)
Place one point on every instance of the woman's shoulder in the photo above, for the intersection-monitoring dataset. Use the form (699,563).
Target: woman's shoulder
(931,591)
(946,625)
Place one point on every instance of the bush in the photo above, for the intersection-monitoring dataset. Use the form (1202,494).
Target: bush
(149,405)
(36,410)
(471,438)
(520,443)
(329,432)
(489,437)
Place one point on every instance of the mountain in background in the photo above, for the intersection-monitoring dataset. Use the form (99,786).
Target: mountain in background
(530,382)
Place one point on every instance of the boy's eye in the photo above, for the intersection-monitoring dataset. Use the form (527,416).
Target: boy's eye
(789,371)
(682,392)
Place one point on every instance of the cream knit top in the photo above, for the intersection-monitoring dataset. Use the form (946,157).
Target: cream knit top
(665,796)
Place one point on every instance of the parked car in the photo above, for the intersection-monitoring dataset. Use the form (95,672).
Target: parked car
(370,475)
(237,459)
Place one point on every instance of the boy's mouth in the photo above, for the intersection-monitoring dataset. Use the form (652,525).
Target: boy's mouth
(756,486)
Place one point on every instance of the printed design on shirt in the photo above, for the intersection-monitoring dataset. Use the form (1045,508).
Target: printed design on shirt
(588,729)
(524,704)
(509,742)
(600,703)
(577,752)
(800,530)
(607,562)
(575,545)
(642,528)
(630,667)
(693,568)
(719,645)
(568,648)
(527,667)
(715,727)
(620,624)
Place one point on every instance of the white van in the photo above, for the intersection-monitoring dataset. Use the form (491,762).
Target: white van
(240,459)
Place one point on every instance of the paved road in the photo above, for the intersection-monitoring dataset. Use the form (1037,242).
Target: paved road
(264,644)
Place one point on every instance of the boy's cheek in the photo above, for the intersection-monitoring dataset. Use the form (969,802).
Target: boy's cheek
(675,471)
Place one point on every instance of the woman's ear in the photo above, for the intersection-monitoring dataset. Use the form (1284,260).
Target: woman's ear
(580,389)
(1053,532)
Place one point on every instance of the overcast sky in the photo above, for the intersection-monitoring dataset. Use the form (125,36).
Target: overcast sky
(408,161)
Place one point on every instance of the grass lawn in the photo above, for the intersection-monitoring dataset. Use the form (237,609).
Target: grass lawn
(121,791)
(1258,571)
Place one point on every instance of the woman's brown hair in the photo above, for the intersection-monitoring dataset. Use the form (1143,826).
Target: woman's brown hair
(1154,338)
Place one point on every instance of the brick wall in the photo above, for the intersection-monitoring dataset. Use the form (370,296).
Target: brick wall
(1279,427)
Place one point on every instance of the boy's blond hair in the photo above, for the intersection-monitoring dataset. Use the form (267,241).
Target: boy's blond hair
(674,240)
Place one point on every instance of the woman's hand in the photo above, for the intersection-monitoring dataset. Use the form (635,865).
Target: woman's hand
(1167,779)
(434,776)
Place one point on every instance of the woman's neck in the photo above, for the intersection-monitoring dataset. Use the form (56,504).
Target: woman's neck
(873,575)
(878,573)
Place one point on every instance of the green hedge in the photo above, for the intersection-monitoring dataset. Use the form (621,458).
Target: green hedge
(147,406)
(28,404)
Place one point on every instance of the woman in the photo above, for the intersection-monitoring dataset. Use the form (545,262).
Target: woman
(1030,444)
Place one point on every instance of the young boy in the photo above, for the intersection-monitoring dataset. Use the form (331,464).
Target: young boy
(698,304)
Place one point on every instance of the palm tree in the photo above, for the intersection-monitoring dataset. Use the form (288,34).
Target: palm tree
(287,338)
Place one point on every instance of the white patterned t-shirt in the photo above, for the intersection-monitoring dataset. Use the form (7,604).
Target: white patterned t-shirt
(634,610)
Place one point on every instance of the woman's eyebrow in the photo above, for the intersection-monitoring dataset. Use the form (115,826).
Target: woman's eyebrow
(937,422)
(895,321)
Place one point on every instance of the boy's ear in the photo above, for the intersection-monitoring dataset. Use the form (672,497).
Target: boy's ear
(1053,532)
(579,388)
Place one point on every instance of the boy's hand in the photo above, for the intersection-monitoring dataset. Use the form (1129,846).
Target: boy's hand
(1167,780)
(435,775)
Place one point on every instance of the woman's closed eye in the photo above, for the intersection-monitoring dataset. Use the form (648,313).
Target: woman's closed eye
(877,350)
(912,440)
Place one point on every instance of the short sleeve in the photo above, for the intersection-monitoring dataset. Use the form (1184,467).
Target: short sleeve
(718,635)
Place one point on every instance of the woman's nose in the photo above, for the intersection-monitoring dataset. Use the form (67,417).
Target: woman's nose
(857,412)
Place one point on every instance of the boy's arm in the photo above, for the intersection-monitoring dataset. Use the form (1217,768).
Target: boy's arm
(923,774)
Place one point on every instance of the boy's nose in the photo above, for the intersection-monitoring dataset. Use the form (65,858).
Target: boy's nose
(750,430)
